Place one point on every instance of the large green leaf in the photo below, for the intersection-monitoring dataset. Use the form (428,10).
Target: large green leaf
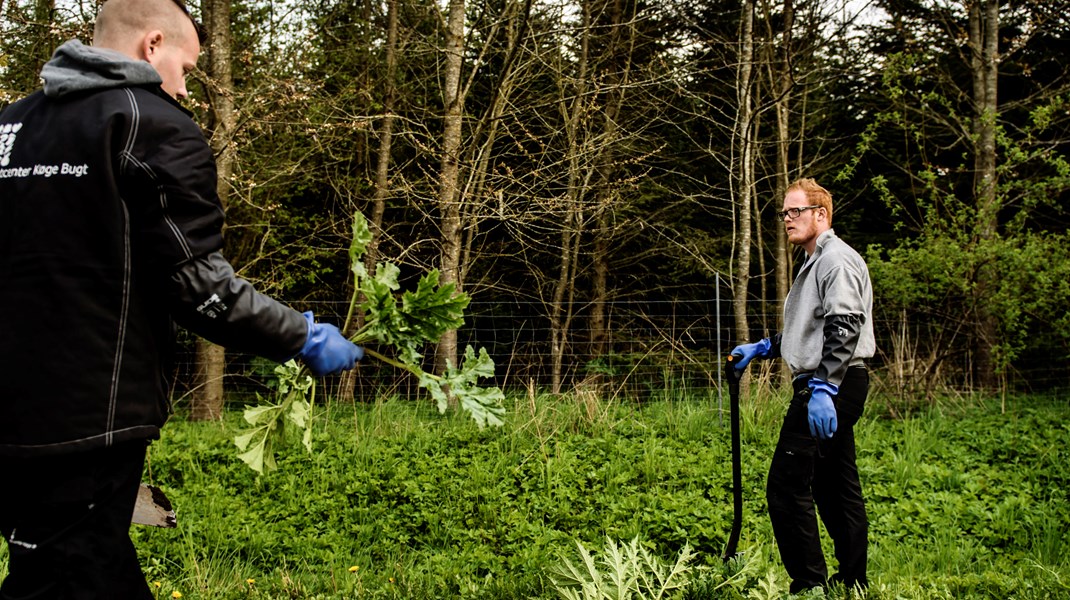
(462,383)
(432,310)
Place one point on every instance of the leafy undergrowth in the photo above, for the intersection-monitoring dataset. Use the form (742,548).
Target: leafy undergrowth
(399,502)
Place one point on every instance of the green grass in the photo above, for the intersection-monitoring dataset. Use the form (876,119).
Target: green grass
(963,503)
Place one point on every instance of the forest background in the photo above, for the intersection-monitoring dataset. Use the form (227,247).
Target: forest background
(601,176)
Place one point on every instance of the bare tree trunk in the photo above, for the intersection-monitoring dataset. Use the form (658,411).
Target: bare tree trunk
(348,381)
(744,168)
(386,137)
(573,223)
(449,194)
(561,307)
(43,44)
(207,399)
(600,254)
(599,323)
(514,20)
(783,167)
(781,82)
(983,43)
(622,42)
(759,243)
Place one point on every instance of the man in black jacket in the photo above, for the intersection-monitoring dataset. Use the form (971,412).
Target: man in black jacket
(110,232)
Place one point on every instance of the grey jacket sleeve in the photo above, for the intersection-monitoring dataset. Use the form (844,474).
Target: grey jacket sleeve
(209,299)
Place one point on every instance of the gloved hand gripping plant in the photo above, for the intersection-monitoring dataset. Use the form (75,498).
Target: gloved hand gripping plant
(421,317)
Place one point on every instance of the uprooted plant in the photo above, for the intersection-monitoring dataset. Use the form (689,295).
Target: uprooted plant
(404,327)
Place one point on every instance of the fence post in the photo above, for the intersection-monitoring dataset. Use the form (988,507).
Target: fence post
(717,312)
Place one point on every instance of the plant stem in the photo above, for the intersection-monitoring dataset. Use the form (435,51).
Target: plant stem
(358,335)
(352,301)
(395,363)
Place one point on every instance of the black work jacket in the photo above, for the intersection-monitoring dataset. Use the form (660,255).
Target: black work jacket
(110,231)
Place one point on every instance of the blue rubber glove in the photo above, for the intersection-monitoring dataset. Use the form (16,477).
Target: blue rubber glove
(326,350)
(822,412)
(759,349)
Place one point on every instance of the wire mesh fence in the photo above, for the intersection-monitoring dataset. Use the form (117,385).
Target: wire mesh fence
(652,349)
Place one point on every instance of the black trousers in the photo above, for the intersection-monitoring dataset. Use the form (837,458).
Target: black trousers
(805,472)
(66,520)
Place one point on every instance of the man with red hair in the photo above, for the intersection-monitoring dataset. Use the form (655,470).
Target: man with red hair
(828,334)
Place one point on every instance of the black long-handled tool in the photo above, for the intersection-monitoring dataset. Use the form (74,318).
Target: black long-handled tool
(733,375)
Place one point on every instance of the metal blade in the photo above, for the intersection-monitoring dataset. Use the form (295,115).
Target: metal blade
(153,508)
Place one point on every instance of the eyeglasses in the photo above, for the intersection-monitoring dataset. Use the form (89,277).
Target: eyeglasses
(794,212)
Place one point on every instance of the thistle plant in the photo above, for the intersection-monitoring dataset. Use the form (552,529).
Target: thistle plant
(622,573)
(392,327)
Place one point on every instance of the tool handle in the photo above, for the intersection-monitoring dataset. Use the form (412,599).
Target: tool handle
(734,375)
(731,373)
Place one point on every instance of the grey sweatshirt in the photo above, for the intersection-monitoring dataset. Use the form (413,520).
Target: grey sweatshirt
(828,314)
(76,67)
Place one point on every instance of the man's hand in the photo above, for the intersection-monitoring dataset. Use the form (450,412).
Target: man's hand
(822,411)
(326,350)
(759,349)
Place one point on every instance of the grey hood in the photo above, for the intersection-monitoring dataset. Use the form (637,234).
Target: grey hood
(76,67)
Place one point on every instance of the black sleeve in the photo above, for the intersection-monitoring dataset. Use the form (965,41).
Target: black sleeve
(774,346)
(209,299)
(168,184)
(841,336)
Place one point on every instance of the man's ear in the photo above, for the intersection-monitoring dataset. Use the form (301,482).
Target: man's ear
(150,45)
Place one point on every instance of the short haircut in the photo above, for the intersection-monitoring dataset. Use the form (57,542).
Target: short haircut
(118,19)
(815,194)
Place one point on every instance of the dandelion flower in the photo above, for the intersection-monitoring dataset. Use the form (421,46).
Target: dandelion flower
(354,568)
(157,584)
(390,579)
(176,594)
(250,581)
